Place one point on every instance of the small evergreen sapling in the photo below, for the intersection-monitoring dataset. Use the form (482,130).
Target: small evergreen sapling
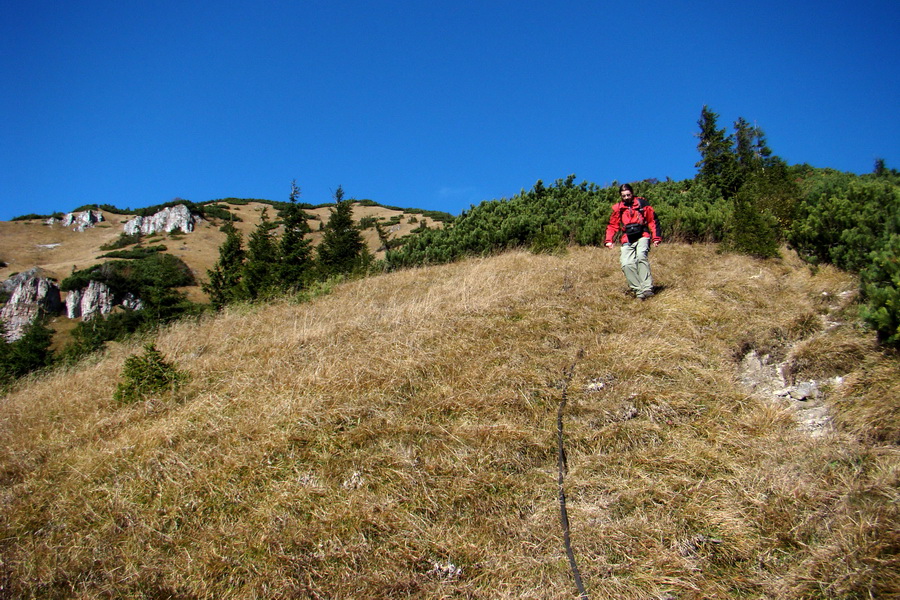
(145,375)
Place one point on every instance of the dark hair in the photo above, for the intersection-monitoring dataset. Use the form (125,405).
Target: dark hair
(625,186)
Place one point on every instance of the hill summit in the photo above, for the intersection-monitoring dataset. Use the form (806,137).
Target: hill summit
(398,438)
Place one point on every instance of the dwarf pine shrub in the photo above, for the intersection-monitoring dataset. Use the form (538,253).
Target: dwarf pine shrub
(145,375)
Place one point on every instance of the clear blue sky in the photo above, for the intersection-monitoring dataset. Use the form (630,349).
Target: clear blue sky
(429,104)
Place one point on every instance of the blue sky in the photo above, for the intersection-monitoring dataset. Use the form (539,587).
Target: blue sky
(435,105)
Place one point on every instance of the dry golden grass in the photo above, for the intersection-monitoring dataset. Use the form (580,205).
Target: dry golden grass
(60,250)
(397,439)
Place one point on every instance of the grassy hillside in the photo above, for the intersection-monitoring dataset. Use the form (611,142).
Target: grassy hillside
(57,249)
(397,438)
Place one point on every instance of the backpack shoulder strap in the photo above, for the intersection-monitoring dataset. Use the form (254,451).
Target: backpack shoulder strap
(641,204)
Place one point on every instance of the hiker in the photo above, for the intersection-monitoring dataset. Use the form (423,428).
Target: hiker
(635,219)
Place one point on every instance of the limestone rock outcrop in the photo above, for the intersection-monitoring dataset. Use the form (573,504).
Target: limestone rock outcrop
(79,220)
(87,303)
(168,220)
(97,299)
(30,295)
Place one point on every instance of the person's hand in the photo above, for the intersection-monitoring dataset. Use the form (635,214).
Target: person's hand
(608,244)
(655,243)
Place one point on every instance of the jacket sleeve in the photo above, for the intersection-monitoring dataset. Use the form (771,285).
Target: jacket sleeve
(652,223)
(614,225)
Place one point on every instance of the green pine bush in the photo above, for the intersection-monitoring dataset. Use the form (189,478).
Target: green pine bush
(147,375)
(880,285)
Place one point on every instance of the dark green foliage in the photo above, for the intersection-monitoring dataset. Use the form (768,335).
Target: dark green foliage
(688,211)
(271,264)
(434,215)
(543,218)
(881,170)
(771,189)
(756,185)
(152,279)
(342,249)
(853,222)
(224,284)
(90,336)
(295,259)
(160,270)
(110,273)
(147,375)
(135,253)
(718,165)
(134,276)
(260,274)
(549,240)
(216,211)
(105,208)
(751,231)
(367,223)
(880,283)
(29,353)
(33,216)
(843,218)
(123,240)
(152,210)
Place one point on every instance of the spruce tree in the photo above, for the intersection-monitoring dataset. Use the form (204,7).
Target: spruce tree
(295,249)
(717,160)
(343,249)
(744,150)
(224,284)
(260,273)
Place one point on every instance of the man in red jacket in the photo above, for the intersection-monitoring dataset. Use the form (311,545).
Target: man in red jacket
(639,228)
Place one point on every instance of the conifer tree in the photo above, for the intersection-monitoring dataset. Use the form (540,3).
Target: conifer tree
(744,147)
(761,149)
(224,284)
(343,249)
(261,268)
(717,160)
(295,249)
(29,353)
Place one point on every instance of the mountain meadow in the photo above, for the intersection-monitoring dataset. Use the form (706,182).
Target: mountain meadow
(397,438)
(358,401)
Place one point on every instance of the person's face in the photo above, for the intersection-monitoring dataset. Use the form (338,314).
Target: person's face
(627,196)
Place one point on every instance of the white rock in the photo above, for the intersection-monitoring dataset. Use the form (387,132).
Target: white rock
(167,220)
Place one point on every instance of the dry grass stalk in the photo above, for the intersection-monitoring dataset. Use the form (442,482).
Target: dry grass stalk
(397,439)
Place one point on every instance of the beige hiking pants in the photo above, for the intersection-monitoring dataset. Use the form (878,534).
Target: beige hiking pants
(636,265)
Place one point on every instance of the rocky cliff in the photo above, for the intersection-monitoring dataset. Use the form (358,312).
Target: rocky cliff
(79,220)
(97,299)
(30,294)
(168,220)
(87,303)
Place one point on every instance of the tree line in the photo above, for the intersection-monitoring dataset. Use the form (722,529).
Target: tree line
(272,265)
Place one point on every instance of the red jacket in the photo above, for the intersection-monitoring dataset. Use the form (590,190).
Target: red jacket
(639,212)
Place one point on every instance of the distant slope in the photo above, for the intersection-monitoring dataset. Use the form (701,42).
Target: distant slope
(59,250)
(397,438)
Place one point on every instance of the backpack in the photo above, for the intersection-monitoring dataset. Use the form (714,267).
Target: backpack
(635,231)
